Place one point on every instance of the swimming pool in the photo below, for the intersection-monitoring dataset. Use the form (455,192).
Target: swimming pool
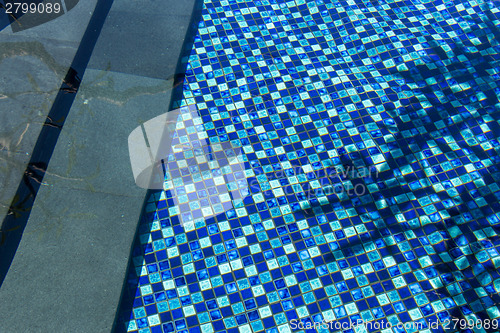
(330,166)
(400,100)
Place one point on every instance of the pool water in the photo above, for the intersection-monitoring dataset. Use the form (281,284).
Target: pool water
(401,100)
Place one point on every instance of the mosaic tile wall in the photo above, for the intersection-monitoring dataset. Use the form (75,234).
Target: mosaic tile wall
(401,98)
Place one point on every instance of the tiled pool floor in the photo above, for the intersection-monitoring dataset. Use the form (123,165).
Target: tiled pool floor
(400,99)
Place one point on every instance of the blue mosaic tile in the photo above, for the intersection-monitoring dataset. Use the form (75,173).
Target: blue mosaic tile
(367,187)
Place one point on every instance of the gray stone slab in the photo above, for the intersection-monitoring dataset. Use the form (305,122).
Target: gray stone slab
(67,274)
(69,270)
(144,37)
(33,64)
(92,151)
(72,260)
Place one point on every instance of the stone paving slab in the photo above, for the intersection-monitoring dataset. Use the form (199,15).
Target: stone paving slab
(69,270)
